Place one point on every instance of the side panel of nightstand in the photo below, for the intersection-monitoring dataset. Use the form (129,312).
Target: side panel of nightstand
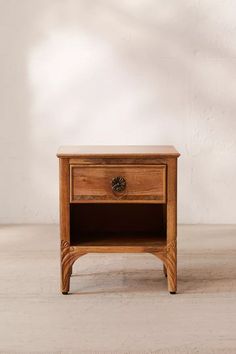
(171,255)
(64,199)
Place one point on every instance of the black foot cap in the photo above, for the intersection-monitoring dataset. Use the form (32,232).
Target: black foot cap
(172,292)
(65,292)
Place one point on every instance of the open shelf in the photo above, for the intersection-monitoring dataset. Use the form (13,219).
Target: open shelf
(114,225)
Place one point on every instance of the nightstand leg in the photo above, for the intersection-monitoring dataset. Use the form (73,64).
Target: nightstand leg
(68,256)
(65,281)
(66,266)
(164,270)
(171,264)
(172,281)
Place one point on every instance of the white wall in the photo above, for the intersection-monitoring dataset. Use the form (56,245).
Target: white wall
(117,72)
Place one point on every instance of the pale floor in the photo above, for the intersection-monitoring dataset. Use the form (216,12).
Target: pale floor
(120,303)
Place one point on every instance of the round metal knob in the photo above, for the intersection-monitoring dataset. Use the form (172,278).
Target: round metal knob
(118,184)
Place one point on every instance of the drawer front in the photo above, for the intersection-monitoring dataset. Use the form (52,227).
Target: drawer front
(114,183)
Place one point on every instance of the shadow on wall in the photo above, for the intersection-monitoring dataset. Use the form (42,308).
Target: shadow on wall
(115,72)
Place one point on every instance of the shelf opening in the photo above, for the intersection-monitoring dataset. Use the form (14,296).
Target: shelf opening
(117,224)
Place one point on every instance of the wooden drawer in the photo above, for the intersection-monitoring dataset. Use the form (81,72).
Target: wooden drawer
(97,183)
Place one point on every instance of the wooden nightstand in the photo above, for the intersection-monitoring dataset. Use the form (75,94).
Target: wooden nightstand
(118,199)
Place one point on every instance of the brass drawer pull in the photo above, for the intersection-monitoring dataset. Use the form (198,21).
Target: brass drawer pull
(118,184)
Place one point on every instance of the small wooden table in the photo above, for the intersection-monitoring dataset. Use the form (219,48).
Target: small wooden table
(118,199)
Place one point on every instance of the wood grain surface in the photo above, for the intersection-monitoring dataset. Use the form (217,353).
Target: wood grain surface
(91,183)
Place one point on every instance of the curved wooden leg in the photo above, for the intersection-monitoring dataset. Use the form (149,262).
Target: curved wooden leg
(68,257)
